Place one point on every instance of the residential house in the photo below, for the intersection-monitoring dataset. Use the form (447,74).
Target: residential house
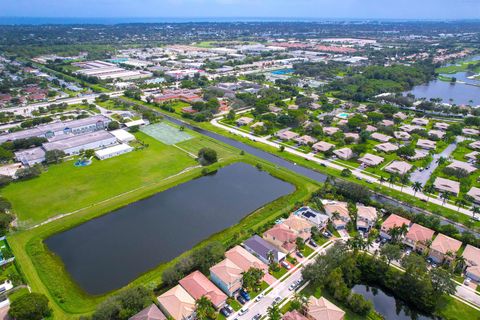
(441,126)
(474,192)
(331,209)
(322,309)
(419,154)
(386,147)
(305,140)
(471,255)
(330,130)
(380,137)
(262,249)
(475,145)
(322,146)
(426,144)
(318,219)
(149,313)
(243,121)
(470,132)
(369,159)
(444,249)
(244,259)
(447,185)
(401,135)
(344,153)
(294,315)
(472,156)
(400,167)
(298,225)
(393,221)
(227,276)
(418,238)
(420,121)
(387,123)
(282,238)
(177,303)
(400,115)
(354,136)
(286,135)
(370,128)
(437,134)
(197,285)
(460,165)
(409,128)
(366,217)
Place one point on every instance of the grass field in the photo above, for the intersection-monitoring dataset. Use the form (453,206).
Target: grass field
(94,190)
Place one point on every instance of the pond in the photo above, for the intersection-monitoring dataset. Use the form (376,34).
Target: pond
(389,307)
(108,252)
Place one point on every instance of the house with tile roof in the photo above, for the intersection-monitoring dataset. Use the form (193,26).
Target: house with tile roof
(344,153)
(298,225)
(322,309)
(322,146)
(149,313)
(444,249)
(471,255)
(366,217)
(282,238)
(227,276)
(418,238)
(197,285)
(343,217)
(244,259)
(393,221)
(294,315)
(177,303)
(371,160)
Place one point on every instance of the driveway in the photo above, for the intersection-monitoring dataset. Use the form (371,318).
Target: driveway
(423,176)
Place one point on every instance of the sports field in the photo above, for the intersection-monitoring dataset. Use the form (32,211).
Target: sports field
(166,133)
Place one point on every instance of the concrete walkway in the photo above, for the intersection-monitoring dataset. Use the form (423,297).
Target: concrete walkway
(359,174)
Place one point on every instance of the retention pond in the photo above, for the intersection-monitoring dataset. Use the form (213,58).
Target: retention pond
(108,252)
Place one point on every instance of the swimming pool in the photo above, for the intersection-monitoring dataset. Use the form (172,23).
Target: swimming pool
(342,115)
(282,71)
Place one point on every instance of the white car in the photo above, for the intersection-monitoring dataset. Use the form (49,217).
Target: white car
(259,297)
(243,311)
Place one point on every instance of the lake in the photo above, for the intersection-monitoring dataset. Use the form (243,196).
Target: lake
(108,252)
(389,307)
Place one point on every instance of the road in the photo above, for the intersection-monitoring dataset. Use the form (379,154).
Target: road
(359,174)
(280,288)
(423,176)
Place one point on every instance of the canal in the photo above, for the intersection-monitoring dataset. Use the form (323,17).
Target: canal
(109,252)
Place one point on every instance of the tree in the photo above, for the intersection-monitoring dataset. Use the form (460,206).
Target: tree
(54,156)
(359,304)
(28,173)
(207,156)
(230,115)
(428,189)
(299,243)
(441,160)
(299,303)
(31,306)
(391,252)
(475,211)
(123,305)
(252,278)
(113,125)
(274,313)
(444,196)
(442,281)
(346,172)
(417,186)
(204,309)
(89,153)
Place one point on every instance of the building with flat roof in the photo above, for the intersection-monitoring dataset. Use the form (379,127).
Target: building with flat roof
(113,151)
(123,136)
(30,157)
(73,144)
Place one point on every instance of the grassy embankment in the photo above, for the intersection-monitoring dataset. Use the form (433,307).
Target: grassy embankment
(45,272)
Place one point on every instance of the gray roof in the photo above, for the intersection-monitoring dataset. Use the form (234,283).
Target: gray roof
(54,127)
(76,141)
(261,247)
(30,154)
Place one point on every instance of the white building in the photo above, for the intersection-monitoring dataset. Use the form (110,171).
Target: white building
(123,136)
(114,151)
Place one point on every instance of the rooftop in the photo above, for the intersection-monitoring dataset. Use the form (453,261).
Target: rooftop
(445,244)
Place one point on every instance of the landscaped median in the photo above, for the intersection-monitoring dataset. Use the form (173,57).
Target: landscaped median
(46,273)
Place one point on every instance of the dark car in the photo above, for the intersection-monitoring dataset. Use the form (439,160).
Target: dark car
(241,299)
(299,254)
(313,244)
(224,312)
(245,295)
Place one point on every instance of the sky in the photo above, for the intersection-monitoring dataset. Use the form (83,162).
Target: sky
(376,9)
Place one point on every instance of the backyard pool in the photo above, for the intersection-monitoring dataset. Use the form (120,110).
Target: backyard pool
(343,115)
(282,71)
(109,252)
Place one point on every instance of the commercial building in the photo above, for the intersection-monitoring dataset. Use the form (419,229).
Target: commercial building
(74,144)
(30,157)
(113,151)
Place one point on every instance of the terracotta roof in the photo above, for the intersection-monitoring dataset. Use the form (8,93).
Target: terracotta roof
(322,309)
(149,313)
(394,221)
(444,244)
(227,271)
(294,315)
(281,233)
(297,224)
(244,259)
(197,285)
(472,255)
(177,302)
(340,207)
(418,233)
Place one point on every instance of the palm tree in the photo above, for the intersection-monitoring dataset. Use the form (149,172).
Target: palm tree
(445,196)
(417,186)
(392,179)
(299,303)
(460,203)
(273,313)
(441,160)
(335,215)
(404,180)
(204,308)
(428,189)
(475,210)
(382,179)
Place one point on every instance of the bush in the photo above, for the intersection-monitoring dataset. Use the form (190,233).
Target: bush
(31,306)
(359,304)
(207,156)
(123,305)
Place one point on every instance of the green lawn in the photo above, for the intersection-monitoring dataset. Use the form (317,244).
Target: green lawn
(279,273)
(65,188)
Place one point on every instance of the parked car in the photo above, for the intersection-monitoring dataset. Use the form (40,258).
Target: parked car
(259,297)
(245,294)
(225,312)
(286,265)
(313,244)
(241,299)
(243,311)
(292,286)
(299,254)
(229,308)
(276,301)
(257,316)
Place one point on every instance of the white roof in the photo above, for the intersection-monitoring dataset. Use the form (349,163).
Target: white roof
(123,135)
(135,123)
(114,149)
